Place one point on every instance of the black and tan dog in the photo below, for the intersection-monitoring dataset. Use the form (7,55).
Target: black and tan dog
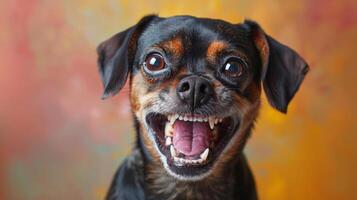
(195,86)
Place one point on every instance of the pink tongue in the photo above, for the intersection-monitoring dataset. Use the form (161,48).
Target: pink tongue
(191,138)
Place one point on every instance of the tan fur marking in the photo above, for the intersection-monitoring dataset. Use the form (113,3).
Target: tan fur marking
(175,46)
(215,47)
(261,43)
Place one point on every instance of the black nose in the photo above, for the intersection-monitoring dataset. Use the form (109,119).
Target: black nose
(194,91)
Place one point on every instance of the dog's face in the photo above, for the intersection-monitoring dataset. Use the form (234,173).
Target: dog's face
(195,86)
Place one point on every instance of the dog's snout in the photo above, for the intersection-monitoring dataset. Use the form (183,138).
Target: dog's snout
(194,91)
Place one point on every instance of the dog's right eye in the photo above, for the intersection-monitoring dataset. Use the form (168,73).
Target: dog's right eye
(155,62)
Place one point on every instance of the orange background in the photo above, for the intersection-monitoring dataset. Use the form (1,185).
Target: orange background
(58,140)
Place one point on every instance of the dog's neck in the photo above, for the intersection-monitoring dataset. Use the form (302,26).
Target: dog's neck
(160,185)
(234,182)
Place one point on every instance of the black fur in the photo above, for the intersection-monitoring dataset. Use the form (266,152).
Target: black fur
(283,71)
(128,182)
(281,74)
(115,57)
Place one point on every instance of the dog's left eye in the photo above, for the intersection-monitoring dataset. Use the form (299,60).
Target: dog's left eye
(155,62)
(233,68)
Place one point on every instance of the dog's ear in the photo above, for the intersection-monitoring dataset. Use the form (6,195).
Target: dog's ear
(116,55)
(283,70)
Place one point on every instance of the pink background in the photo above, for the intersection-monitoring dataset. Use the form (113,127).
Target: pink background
(58,140)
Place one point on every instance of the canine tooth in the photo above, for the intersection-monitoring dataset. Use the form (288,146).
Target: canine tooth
(168,141)
(172,151)
(168,130)
(211,122)
(172,119)
(204,155)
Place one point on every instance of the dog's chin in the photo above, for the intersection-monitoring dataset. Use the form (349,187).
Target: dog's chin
(190,144)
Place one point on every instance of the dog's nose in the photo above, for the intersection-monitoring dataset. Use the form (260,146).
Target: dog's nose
(194,90)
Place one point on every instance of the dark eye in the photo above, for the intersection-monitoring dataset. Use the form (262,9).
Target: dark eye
(233,68)
(155,62)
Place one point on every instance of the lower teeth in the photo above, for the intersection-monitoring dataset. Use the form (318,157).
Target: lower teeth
(180,161)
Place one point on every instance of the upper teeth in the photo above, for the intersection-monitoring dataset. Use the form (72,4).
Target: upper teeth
(168,130)
(212,120)
(172,118)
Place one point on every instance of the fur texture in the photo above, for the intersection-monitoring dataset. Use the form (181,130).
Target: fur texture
(195,47)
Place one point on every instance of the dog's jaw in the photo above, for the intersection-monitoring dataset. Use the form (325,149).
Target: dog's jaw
(238,135)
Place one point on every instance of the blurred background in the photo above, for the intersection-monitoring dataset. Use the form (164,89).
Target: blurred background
(59,140)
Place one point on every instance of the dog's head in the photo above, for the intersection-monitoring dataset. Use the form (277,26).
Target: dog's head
(195,86)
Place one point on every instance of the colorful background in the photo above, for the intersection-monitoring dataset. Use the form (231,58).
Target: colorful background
(59,140)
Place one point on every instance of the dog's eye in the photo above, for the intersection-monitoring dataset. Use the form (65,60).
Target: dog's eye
(233,68)
(155,62)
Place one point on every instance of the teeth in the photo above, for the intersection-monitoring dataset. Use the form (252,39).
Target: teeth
(168,141)
(173,151)
(211,120)
(168,130)
(204,155)
(172,119)
(181,161)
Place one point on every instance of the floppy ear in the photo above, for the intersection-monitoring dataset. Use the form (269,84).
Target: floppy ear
(283,70)
(116,55)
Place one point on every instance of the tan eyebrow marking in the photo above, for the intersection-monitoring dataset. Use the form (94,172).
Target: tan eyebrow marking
(174,45)
(215,47)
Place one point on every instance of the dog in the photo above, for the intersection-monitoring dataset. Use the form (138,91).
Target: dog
(195,87)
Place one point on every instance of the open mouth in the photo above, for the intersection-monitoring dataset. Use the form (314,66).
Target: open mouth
(191,143)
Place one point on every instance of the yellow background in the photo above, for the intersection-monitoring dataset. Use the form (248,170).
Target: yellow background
(58,140)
